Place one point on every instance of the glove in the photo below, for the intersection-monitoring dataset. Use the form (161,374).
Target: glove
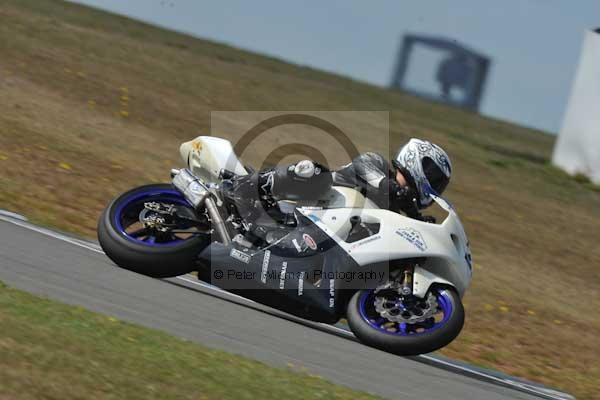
(306,169)
(398,198)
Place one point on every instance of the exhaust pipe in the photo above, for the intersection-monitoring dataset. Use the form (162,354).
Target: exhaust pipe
(199,196)
(217,221)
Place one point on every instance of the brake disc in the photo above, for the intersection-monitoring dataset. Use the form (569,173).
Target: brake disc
(398,311)
(160,208)
(152,216)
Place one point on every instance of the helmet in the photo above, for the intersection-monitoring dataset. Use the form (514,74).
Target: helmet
(427,166)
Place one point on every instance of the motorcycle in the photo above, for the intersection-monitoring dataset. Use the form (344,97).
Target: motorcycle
(412,274)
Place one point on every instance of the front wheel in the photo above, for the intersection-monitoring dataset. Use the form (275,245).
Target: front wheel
(406,325)
(153,230)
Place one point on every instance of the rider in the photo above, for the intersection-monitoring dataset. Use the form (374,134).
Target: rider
(418,169)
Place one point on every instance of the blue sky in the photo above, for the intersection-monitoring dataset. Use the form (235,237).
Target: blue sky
(535,44)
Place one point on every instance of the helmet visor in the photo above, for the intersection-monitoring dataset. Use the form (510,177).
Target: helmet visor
(436,177)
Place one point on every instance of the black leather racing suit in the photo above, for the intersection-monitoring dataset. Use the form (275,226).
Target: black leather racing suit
(373,175)
(255,196)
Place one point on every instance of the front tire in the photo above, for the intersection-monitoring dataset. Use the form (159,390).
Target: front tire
(166,257)
(375,331)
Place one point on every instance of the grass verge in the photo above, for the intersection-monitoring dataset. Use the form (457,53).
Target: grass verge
(50,350)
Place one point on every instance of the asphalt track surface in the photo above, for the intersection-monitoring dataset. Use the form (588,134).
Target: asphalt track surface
(75,274)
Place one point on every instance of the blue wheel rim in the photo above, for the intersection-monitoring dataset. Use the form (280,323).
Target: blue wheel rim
(377,322)
(133,203)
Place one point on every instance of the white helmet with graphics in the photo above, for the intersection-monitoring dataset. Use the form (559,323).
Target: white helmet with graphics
(428,168)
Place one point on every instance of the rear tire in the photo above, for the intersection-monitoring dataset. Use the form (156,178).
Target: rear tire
(406,345)
(158,261)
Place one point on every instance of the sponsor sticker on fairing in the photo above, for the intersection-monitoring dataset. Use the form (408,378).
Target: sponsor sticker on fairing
(240,256)
(265,266)
(310,242)
(282,275)
(365,241)
(413,236)
(301,283)
(331,293)
(313,218)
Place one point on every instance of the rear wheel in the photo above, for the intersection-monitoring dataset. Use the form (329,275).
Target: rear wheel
(154,231)
(406,325)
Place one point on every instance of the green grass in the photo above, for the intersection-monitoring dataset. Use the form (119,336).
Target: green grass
(53,351)
(92,104)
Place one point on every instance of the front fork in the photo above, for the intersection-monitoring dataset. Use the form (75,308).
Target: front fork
(199,196)
(407,281)
(401,281)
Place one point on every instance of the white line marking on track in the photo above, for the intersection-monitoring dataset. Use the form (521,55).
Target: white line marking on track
(13,215)
(543,392)
(196,282)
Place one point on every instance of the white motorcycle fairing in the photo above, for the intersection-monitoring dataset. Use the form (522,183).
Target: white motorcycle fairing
(207,156)
(444,247)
